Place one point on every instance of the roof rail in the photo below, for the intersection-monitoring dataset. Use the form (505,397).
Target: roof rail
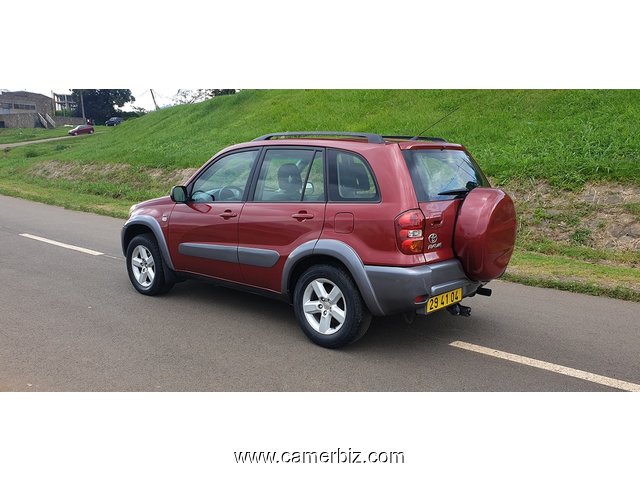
(408,137)
(371,137)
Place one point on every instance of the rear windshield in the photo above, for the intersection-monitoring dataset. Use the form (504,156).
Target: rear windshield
(434,171)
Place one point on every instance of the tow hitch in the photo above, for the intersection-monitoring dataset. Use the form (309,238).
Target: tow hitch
(459,310)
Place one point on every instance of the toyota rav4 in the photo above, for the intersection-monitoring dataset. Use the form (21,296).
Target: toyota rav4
(342,225)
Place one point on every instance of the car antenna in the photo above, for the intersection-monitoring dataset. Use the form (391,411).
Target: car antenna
(433,125)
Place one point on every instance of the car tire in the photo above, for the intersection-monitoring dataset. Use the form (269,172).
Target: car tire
(329,307)
(146,267)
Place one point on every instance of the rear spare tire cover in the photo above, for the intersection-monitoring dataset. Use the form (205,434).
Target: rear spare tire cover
(485,233)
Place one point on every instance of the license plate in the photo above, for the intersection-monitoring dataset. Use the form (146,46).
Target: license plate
(444,300)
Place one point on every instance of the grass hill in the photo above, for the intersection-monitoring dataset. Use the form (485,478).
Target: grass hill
(563,136)
(571,159)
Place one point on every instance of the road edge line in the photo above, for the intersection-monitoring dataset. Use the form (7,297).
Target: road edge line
(552,367)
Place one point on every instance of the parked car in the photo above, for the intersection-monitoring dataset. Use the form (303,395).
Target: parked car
(341,225)
(113,121)
(81,129)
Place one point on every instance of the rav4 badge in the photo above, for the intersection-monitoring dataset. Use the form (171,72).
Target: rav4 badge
(433,242)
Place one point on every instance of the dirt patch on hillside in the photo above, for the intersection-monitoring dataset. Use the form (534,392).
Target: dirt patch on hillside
(176,177)
(111,172)
(603,216)
(53,170)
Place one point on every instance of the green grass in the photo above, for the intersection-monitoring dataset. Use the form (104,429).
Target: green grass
(14,135)
(633,208)
(535,269)
(579,252)
(17,135)
(563,138)
(566,137)
(58,195)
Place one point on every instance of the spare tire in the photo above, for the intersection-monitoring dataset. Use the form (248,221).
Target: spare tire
(485,233)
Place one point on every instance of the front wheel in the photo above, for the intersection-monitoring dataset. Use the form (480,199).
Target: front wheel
(145,266)
(329,307)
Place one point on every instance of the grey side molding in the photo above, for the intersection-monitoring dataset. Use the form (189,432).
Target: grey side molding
(222,253)
(258,257)
(347,256)
(154,226)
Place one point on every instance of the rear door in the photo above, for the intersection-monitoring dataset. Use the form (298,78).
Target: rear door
(203,233)
(435,171)
(285,210)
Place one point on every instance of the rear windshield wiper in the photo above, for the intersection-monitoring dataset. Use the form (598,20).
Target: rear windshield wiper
(460,192)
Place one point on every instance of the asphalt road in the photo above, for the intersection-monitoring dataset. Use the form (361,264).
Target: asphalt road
(70,321)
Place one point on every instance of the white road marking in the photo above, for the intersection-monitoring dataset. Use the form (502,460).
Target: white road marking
(552,367)
(60,244)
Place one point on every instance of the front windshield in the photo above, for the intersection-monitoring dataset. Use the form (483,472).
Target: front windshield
(434,171)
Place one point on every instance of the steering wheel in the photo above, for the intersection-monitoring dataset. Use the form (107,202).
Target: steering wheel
(229,193)
(198,196)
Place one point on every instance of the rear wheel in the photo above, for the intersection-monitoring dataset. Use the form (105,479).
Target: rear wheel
(145,266)
(329,307)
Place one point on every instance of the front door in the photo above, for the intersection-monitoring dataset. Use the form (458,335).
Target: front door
(285,211)
(203,233)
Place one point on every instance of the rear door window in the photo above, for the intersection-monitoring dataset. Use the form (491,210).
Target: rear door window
(291,175)
(435,171)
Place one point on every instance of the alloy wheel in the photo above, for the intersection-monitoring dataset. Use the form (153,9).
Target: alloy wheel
(324,306)
(143,266)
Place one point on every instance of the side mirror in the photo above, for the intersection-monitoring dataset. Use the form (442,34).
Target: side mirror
(308,188)
(179,194)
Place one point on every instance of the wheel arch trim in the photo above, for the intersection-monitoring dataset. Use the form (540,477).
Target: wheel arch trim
(153,225)
(345,255)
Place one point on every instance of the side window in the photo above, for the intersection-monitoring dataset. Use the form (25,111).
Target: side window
(226,179)
(350,178)
(284,172)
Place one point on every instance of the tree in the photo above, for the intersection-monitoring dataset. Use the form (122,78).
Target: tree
(200,94)
(135,112)
(100,105)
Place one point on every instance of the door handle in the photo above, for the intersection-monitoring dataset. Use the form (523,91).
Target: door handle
(228,214)
(301,216)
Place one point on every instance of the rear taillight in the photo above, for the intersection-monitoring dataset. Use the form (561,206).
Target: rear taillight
(410,232)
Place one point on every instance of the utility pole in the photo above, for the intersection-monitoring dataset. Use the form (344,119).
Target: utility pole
(82,107)
(154,99)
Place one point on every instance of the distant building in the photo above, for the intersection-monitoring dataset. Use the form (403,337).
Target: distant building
(64,101)
(32,110)
(25,102)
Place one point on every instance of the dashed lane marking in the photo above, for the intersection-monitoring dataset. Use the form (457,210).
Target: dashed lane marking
(60,244)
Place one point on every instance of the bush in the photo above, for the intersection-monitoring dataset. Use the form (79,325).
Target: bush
(581,236)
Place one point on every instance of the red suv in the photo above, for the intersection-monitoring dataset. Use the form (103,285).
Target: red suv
(342,225)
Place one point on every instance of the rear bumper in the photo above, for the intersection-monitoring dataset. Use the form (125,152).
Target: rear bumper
(395,288)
